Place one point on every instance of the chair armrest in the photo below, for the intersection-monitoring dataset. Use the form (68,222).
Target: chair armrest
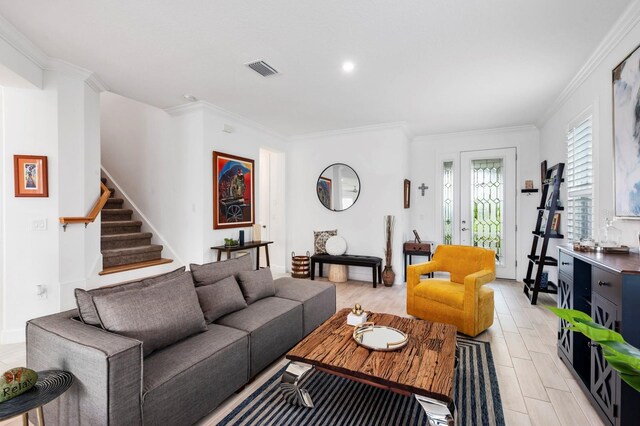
(477,279)
(415,271)
(107,368)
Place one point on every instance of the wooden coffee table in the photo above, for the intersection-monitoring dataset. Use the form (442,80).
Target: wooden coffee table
(425,367)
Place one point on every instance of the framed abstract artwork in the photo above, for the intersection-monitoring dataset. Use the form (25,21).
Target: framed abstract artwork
(626,136)
(233,191)
(30,176)
(324,191)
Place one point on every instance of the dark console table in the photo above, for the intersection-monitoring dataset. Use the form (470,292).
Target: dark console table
(606,287)
(248,245)
(411,249)
(375,263)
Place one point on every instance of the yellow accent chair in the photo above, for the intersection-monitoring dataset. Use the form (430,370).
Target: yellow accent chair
(463,300)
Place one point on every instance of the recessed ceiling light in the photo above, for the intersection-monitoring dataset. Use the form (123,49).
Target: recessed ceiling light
(190,98)
(348,66)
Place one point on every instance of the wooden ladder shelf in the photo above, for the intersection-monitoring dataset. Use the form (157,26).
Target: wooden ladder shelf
(538,261)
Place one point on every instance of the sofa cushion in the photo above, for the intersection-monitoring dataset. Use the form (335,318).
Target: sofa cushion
(215,271)
(256,285)
(442,291)
(84,298)
(318,299)
(220,298)
(158,315)
(274,326)
(199,373)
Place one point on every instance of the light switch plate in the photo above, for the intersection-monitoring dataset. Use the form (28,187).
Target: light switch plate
(39,225)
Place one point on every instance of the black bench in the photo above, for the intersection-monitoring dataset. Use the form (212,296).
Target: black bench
(375,263)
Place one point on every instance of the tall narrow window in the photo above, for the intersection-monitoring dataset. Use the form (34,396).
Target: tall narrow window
(447,202)
(579,181)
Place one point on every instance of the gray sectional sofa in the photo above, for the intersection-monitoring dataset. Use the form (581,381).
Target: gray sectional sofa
(134,366)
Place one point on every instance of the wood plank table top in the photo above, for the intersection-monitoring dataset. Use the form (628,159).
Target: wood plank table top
(425,366)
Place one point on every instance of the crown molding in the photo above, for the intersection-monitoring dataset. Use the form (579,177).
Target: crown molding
(90,78)
(208,106)
(22,44)
(620,29)
(400,125)
(491,131)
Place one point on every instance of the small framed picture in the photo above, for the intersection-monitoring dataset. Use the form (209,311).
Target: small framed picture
(528,184)
(543,172)
(30,176)
(555,223)
(418,240)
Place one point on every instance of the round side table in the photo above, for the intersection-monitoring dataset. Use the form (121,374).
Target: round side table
(50,385)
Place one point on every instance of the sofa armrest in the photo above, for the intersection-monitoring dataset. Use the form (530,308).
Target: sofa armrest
(107,367)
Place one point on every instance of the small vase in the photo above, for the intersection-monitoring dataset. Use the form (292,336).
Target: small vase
(388,276)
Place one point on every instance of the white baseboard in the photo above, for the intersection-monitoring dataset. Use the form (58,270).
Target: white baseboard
(13,335)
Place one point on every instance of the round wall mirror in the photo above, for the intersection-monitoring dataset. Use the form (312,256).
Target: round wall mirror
(338,187)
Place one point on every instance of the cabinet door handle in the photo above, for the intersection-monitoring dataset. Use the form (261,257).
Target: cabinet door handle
(603,283)
(565,263)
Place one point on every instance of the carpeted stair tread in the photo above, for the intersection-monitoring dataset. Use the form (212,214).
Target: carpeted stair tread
(114,203)
(127,236)
(132,250)
(116,223)
(116,210)
(131,239)
(103,180)
(125,256)
(109,215)
(113,192)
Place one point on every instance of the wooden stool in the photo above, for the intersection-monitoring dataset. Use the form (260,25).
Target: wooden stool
(338,273)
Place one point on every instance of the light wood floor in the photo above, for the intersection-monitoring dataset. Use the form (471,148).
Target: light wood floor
(535,386)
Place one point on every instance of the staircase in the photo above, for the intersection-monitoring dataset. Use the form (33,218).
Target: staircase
(123,245)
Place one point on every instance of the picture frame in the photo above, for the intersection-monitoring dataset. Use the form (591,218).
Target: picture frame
(233,191)
(528,184)
(415,234)
(624,88)
(324,189)
(407,193)
(31,175)
(555,223)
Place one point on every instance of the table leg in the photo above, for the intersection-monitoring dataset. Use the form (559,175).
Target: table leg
(219,255)
(266,251)
(405,267)
(258,258)
(40,416)
(313,270)
(290,387)
(320,266)
(228,254)
(25,419)
(379,273)
(438,413)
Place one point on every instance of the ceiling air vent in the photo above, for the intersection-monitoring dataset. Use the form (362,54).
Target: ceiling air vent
(262,68)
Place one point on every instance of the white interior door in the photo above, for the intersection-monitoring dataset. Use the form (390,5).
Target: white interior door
(488,205)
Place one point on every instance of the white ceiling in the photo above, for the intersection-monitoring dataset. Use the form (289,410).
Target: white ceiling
(439,65)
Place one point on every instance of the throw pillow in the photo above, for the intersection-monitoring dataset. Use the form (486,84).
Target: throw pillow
(84,298)
(256,285)
(220,298)
(158,315)
(209,273)
(320,240)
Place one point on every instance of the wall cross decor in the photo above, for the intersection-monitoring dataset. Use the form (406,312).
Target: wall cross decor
(423,188)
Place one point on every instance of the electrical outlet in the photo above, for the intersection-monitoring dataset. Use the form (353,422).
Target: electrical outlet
(39,225)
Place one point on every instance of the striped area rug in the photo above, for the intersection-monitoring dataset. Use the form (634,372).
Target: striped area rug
(340,401)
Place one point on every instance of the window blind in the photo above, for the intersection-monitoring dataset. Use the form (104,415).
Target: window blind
(579,180)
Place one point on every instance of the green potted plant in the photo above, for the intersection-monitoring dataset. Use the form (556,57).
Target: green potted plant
(623,357)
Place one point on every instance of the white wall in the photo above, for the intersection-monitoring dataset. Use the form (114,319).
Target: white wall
(427,152)
(594,93)
(164,163)
(60,121)
(380,157)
